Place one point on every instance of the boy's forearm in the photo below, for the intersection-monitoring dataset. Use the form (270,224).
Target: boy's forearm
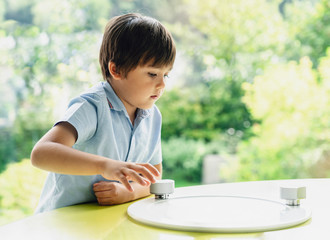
(59,158)
(139,191)
(56,157)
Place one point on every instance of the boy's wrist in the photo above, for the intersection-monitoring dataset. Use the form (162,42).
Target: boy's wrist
(139,191)
(100,166)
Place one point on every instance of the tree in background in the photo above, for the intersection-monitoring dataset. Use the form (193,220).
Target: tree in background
(292,102)
(236,40)
(46,56)
(310,35)
(239,40)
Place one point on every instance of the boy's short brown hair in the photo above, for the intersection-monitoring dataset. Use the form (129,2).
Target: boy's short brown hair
(131,40)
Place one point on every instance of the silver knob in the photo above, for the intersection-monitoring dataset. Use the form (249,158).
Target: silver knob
(162,188)
(293,194)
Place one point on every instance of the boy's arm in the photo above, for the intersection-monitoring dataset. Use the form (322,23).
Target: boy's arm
(111,193)
(54,153)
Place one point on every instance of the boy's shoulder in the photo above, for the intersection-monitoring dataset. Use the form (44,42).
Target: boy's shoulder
(156,110)
(95,94)
(95,91)
(92,98)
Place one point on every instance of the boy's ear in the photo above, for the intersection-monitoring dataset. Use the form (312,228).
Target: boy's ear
(113,71)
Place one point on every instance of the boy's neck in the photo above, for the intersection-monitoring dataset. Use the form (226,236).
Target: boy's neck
(131,110)
(132,117)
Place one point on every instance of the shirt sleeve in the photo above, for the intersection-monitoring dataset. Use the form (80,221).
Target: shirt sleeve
(82,115)
(157,123)
(157,155)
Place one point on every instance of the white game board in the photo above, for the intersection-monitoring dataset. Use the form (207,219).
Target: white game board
(216,213)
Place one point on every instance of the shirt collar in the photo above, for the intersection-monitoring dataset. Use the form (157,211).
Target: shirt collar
(142,113)
(116,104)
(113,100)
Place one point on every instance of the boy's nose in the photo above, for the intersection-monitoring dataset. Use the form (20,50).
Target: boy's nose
(161,83)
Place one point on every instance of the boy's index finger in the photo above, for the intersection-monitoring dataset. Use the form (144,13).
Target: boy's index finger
(151,168)
(143,169)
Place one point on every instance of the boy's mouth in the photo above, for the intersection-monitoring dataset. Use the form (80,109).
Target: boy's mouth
(154,96)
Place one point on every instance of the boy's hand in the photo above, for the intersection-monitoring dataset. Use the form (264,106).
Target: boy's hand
(142,173)
(111,193)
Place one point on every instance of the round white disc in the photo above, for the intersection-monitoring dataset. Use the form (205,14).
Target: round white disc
(217,214)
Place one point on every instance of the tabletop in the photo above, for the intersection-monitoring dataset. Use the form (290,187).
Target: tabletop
(90,221)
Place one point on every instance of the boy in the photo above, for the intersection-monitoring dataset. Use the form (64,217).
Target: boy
(107,146)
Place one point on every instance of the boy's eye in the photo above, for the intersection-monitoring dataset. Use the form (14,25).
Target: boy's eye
(152,74)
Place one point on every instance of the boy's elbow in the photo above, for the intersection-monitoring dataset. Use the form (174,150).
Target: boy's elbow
(35,156)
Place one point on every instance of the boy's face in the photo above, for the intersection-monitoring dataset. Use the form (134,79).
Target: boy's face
(142,87)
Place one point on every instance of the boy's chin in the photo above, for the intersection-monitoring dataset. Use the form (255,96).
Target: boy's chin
(147,106)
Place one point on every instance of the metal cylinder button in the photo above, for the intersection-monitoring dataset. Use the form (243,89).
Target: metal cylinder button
(162,188)
(292,195)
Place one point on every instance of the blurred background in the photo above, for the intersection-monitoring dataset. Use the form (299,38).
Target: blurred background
(248,98)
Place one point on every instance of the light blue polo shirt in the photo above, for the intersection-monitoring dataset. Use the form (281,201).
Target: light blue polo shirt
(104,129)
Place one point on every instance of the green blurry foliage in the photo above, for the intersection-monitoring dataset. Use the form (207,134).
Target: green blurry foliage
(293,103)
(238,41)
(42,68)
(51,16)
(310,34)
(21,186)
(182,159)
(209,110)
(239,44)
(241,37)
